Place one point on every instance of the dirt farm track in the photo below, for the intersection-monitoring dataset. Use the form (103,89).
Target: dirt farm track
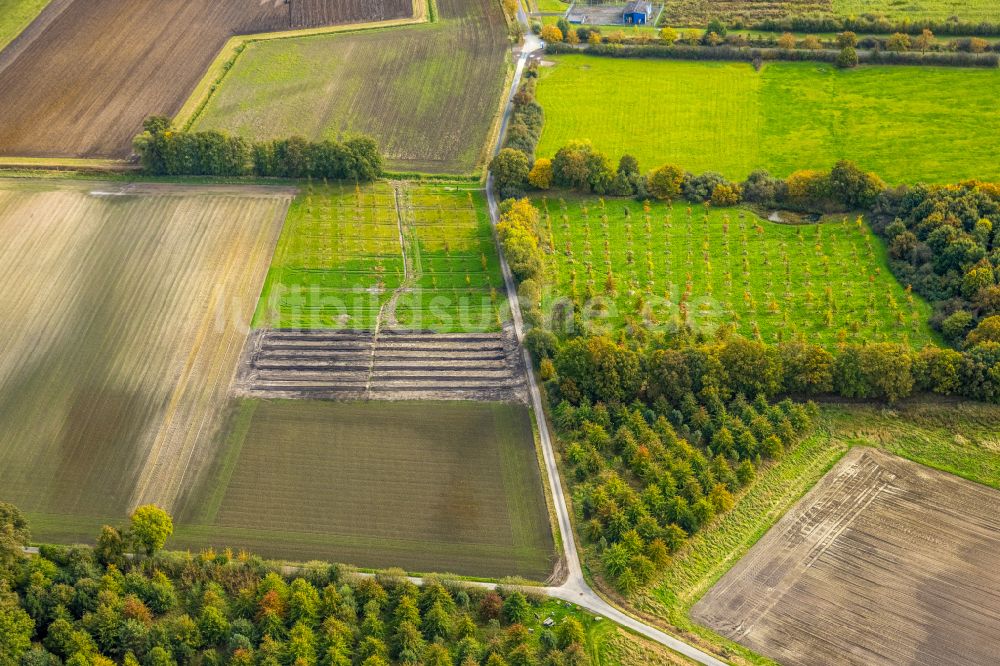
(81,79)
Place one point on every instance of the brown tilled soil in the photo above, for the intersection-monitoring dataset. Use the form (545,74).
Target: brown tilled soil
(308,13)
(883,562)
(80,82)
(397,365)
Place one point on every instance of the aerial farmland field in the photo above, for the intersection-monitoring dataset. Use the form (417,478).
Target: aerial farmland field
(427,486)
(428,93)
(15,15)
(827,281)
(883,562)
(699,12)
(420,256)
(126,309)
(726,117)
(82,85)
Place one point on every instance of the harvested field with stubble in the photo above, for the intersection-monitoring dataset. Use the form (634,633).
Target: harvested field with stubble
(883,562)
(125,312)
(449,487)
(430,93)
(82,84)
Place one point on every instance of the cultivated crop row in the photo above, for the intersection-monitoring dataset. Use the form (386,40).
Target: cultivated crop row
(656,263)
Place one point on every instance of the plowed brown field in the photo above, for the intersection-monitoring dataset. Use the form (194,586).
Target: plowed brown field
(883,562)
(121,335)
(82,85)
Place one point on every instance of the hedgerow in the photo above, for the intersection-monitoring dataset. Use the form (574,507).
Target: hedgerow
(163,151)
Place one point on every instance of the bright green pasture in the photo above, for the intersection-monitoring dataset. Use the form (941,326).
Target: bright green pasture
(416,256)
(827,281)
(698,12)
(907,124)
(452,486)
(15,16)
(966,10)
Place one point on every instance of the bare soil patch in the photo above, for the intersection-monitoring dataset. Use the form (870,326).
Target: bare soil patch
(389,365)
(82,85)
(125,310)
(883,562)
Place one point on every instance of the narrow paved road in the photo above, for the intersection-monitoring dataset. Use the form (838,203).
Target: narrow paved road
(575,589)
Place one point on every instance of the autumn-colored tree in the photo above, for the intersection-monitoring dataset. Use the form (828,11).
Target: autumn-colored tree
(787,41)
(540,176)
(847,38)
(898,41)
(811,43)
(925,40)
(551,33)
(665,182)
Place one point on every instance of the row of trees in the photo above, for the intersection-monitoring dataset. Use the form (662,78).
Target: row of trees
(871,24)
(526,118)
(943,240)
(82,607)
(580,166)
(672,365)
(164,151)
(801,50)
(717,34)
(645,478)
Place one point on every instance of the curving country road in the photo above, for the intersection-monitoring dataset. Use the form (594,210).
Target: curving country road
(575,589)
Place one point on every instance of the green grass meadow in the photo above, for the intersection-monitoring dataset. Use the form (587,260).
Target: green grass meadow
(420,256)
(452,487)
(966,10)
(908,124)
(15,16)
(828,281)
(953,436)
(699,12)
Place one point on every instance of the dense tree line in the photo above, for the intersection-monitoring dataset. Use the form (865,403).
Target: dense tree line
(581,167)
(872,25)
(96,607)
(659,436)
(163,151)
(759,55)
(527,117)
(944,241)
(661,430)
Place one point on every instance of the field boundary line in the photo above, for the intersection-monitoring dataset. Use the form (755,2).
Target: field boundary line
(498,125)
(226,60)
